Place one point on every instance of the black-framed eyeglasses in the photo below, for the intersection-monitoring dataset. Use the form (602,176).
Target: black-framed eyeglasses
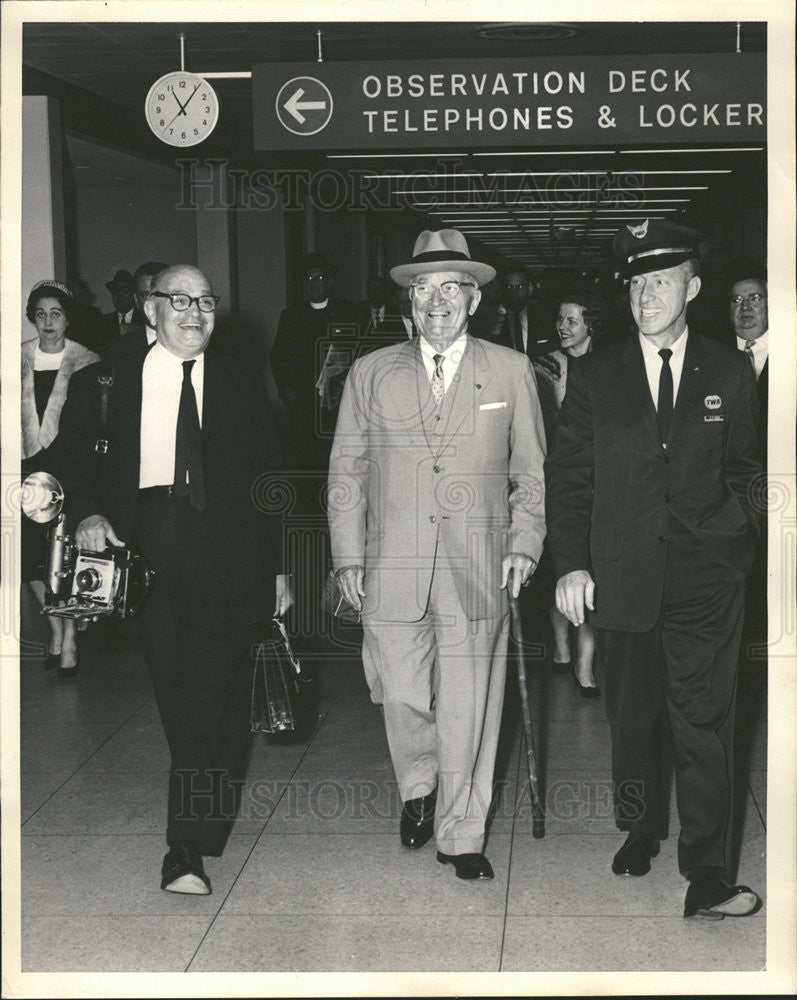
(754,298)
(448,289)
(181,302)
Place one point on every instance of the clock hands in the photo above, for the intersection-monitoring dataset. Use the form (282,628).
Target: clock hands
(182,110)
(184,106)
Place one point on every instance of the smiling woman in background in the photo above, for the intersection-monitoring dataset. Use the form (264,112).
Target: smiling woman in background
(579,322)
(48,363)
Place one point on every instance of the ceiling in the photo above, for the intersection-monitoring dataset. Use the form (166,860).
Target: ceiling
(509,201)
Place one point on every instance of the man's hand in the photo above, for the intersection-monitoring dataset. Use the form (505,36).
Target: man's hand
(548,364)
(350,580)
(96,534)
(284,594)
(573,591)
(520,567)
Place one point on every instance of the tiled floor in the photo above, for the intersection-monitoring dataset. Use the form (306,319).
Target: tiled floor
(314,878)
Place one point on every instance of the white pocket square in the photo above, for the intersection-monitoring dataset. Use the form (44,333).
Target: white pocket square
(492,406)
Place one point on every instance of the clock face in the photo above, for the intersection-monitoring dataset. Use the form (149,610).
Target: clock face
(182,109)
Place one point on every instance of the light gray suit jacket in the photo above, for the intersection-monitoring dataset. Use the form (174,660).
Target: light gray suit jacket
(407,477)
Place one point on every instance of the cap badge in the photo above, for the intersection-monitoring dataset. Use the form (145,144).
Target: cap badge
(712,402)
(641,231)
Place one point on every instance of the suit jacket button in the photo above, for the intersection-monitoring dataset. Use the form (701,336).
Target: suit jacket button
(667,498)
(662,539)
(432,518)
(436,468)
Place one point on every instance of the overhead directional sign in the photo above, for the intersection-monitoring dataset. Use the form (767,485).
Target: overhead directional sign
(524,101)
(304,105)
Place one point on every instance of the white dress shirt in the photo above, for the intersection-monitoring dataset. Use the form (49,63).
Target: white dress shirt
(452,356)
(161,385)
(760,349)
(653,364)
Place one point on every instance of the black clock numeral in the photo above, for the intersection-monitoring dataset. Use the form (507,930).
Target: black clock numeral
(204,121)
(171,131)
(182,135)
(204,97)
(158,110)
(162,123)
(207,109)
(181,84)
(162,97)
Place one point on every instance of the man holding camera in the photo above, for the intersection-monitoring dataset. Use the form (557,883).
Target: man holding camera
(187,439)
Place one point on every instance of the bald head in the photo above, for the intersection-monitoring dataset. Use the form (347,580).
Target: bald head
(184,332)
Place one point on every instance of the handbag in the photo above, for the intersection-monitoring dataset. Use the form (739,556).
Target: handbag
(277,684)
(335,604)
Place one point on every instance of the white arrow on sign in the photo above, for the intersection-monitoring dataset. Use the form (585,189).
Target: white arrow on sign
(295,106)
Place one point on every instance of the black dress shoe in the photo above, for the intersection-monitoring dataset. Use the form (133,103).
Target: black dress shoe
(184,872)
(593,692)
(417,821)
(562,667)
(66,673)
(468,866)
(713,898)
(51,660)
(634,856)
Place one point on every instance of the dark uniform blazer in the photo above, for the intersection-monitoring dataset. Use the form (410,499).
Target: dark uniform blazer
(612,488)
(239,458)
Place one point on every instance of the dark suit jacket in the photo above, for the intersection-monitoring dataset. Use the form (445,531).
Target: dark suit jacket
(612,488)
(540,340)
(300,346)
(246,539)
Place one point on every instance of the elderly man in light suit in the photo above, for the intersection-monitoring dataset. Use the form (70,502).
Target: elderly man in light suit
(436,511)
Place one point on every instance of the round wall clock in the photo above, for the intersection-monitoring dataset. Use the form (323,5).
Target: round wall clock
(182,109)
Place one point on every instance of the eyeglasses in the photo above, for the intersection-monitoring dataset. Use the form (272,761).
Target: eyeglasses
(181,302)
(754,298)
(448,289)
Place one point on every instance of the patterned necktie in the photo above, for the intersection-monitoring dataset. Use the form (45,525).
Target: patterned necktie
(665,393)
(748,350)
(188,446)
(437,379)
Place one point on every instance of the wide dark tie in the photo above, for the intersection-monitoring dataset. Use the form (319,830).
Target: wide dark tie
(748,350)
(665,393)
(514,330)
(188,446)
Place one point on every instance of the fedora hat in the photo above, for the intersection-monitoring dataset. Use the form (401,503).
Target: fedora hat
(443,250)
(122,279)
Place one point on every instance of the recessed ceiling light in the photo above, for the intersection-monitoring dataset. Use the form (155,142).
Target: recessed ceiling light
(522,31)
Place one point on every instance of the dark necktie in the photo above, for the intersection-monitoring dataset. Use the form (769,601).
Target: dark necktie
(665,393)
(515,333)
(748,350)
(188,446)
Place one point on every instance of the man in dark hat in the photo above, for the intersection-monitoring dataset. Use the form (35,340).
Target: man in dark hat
(138,333)
(522,322)
(121,320)
(436,513)
(652,528)
(304,334)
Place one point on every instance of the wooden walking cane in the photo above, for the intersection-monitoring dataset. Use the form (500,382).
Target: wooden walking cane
(537,811)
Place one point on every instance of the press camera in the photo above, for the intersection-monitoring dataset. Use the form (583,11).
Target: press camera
(80,584)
